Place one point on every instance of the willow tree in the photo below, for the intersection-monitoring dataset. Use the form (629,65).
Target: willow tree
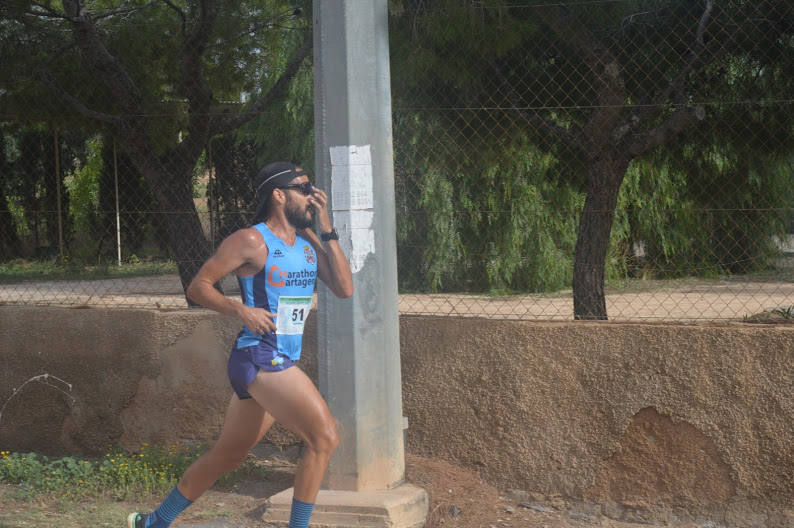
(598,84)
(158,75)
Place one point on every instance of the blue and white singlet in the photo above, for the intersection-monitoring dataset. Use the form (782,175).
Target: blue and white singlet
(284,287)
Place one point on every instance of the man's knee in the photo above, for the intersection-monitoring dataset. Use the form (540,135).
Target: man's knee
(325,438)
(333,436)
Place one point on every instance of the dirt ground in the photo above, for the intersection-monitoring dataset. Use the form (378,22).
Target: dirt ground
(647,300)
(458,499)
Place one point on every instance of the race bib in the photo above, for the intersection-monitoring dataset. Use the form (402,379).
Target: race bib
(292,314)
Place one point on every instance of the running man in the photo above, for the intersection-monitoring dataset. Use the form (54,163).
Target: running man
(276,262)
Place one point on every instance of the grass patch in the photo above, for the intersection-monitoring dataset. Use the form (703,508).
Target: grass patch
(20,270)
(43,510)
(119,474)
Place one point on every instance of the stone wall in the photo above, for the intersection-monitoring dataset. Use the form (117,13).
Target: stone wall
(641,416)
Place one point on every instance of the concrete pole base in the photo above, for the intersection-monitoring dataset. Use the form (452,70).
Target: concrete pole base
(402,507)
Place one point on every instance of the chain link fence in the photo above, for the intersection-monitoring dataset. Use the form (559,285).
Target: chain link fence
(620,158)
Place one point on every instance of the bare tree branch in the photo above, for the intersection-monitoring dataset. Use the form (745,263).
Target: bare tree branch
(702,25)
(37,32)
(605,69)
(258,25)
(681,119)
(194,82)
(676,85)
(47,79)
(107,66)
(570,137)
(179,12)
(222,125)
(46,11)
(123,11)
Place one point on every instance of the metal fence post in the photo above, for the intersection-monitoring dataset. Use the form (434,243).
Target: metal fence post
(118,213)
(58,193)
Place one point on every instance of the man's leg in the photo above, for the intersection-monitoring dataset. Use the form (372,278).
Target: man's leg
(245,424)
(293,400)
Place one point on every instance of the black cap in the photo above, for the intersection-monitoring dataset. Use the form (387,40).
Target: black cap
(271,176)
(275,175)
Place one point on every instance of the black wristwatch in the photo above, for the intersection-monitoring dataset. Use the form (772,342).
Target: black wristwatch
(333,235)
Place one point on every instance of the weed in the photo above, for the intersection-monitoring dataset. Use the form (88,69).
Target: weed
(119,473)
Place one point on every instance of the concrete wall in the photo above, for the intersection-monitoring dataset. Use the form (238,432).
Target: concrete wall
(634,416)
(643,417)
(136,376)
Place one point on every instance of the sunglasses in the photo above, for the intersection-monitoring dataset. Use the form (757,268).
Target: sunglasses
(305,188)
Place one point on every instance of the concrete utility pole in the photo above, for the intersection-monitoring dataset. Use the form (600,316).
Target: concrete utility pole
(358,338)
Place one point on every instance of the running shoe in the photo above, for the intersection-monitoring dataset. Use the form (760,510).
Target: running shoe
(136,520)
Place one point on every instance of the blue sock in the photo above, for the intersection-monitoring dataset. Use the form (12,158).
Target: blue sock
(172,506)
(299,516)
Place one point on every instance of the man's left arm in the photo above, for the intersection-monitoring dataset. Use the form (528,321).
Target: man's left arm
(332,265)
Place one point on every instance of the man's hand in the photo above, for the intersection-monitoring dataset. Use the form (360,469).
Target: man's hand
(319,200)
(257,320)
(332,265)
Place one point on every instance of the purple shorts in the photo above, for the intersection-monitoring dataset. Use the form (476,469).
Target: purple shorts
(245,363)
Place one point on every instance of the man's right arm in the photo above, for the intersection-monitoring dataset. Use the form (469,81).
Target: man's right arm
(235,252)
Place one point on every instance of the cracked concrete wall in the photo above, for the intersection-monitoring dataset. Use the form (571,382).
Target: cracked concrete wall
(696,416)
(633,415)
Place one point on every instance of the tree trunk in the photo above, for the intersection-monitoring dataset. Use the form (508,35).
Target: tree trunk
(171,184)
(605,175)
(180,219)
(186,237)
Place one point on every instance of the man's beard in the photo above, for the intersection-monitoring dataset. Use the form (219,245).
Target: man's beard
(299,218)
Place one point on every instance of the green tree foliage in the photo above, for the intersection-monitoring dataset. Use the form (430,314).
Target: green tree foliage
(140,217)
(30,186)
(238,156)
(714,200)
(82,185)
(155,75)
(9,236)
(503,225)
(643,90)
